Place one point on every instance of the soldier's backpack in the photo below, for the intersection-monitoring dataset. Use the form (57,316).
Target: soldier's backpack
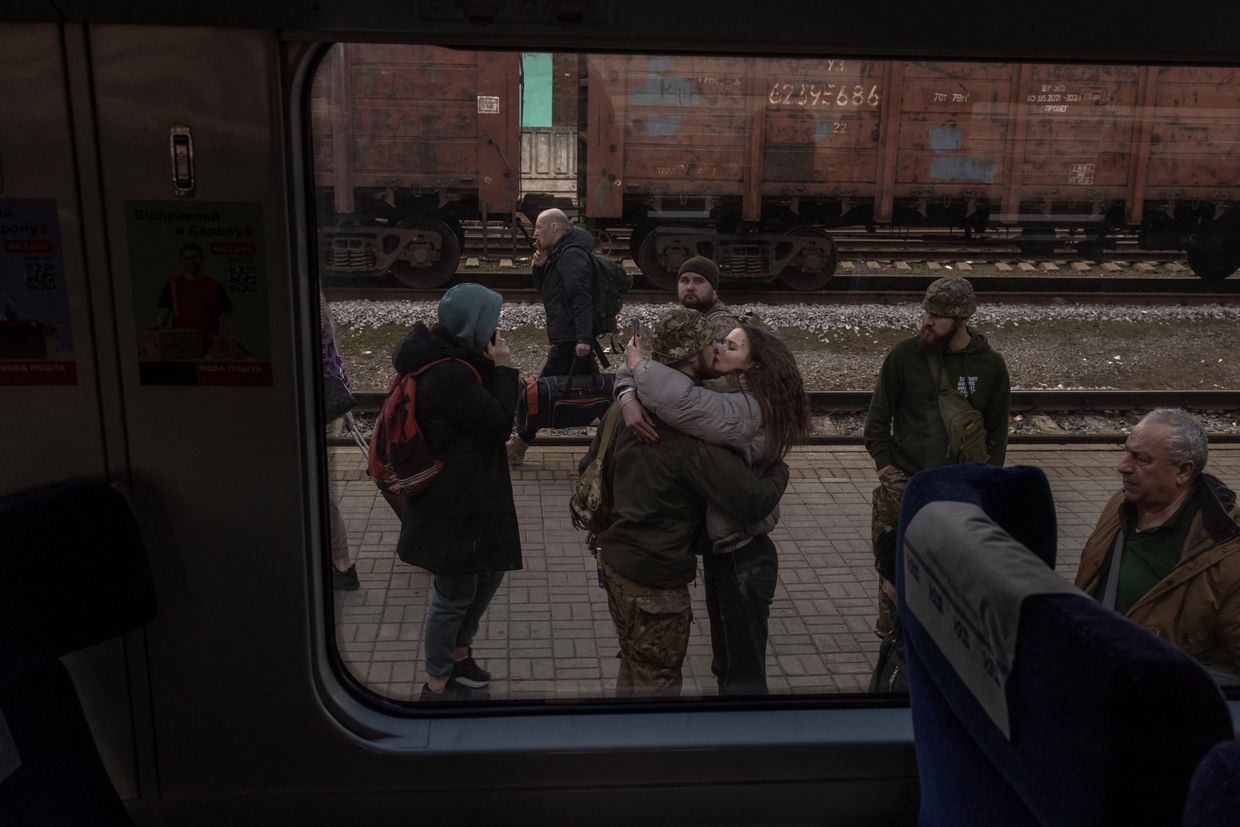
(399,460)
(610,285)
(611,282)
(591,501)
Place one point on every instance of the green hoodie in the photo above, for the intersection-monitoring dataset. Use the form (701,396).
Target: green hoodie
(904,427)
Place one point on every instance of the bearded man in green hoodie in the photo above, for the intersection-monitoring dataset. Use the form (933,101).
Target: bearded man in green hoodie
(905,431)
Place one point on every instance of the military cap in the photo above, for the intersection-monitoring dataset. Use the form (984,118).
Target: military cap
(679,334)
(703,267)
(950,296)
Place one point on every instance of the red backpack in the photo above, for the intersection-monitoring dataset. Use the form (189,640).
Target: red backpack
(400,460)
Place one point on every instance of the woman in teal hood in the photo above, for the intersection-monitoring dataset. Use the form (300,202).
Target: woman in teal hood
(470,312)
(463,529)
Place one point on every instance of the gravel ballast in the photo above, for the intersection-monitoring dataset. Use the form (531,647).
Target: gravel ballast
(840,347)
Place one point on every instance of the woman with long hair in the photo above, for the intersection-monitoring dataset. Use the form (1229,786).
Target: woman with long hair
(757,406)
(767,371)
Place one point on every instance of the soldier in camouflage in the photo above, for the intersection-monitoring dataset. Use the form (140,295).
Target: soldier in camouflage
(904,431)
(697,288)
(659,496)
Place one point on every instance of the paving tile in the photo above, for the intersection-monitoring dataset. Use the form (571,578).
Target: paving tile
(548,632)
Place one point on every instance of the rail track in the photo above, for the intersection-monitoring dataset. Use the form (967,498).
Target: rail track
(862,288)
(1041,413)
(498,252)
(853,244)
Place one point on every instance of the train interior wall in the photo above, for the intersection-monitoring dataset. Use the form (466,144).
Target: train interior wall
(225,709)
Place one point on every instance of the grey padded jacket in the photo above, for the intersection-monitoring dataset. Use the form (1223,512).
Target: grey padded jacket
(720,412)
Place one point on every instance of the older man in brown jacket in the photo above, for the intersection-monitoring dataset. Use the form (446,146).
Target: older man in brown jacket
(1176,533)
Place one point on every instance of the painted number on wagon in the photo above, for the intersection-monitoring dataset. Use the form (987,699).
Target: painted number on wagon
(827,94)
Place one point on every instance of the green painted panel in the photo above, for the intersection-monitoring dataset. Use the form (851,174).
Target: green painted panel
(536,89)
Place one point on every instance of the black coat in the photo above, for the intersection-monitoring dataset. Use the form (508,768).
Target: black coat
(466,521)
(566,284)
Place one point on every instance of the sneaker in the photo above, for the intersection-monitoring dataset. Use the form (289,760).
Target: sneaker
(468,673)
(516,450)
(453,693)
(345,581)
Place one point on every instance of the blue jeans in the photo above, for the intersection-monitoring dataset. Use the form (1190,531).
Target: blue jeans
(452,618)
(739,589)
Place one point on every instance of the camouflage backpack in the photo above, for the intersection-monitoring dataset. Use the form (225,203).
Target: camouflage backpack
(591,502)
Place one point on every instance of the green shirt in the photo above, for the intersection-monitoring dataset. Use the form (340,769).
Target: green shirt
(1149,555)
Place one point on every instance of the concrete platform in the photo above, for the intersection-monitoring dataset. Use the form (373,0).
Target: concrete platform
(548,633)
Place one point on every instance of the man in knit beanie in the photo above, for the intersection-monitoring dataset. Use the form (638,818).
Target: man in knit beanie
(697,288)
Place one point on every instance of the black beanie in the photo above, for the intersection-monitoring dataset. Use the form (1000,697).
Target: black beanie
(704,267)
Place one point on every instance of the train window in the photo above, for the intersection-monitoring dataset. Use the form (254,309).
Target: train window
(809,202)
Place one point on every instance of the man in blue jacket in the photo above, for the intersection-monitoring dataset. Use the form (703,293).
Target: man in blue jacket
(564,277)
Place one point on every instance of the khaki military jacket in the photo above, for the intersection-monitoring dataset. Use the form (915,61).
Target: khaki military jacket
(1195,608)
(721,320)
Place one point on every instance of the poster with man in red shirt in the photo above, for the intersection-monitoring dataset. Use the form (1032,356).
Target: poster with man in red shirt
(191,300)
(200,292)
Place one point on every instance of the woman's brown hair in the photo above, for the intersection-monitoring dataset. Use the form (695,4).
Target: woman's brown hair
(775,381)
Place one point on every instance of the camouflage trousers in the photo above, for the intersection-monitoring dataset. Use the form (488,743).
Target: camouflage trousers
(653,627)
(885,516)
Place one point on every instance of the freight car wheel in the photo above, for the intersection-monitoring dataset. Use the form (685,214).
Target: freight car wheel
(604,242)
(430,257)
(648,260)
(1213,265)
(800,279)
(636,239)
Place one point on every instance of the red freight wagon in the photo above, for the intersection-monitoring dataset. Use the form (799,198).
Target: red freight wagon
(755,162)
(752,162)
(408,142)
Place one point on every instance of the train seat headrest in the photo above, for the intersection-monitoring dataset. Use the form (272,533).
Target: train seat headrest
(73,572)
(1017,499)
(1214,796)
(972,612)
(1083,717)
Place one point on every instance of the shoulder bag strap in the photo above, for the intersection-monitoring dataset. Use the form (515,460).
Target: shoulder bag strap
(941,379)
(429,365)
(472,369)
(1117,558)
(609,431)
(939,376)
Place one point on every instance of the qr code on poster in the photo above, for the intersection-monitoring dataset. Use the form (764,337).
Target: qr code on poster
(40,276)
(242,278)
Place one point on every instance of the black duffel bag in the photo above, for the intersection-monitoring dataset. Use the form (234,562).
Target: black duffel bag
(564,401)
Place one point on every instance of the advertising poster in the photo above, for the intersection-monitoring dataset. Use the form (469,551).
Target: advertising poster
(36,333)
(200,292)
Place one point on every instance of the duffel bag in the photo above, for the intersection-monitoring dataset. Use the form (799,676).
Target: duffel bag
(564,401)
